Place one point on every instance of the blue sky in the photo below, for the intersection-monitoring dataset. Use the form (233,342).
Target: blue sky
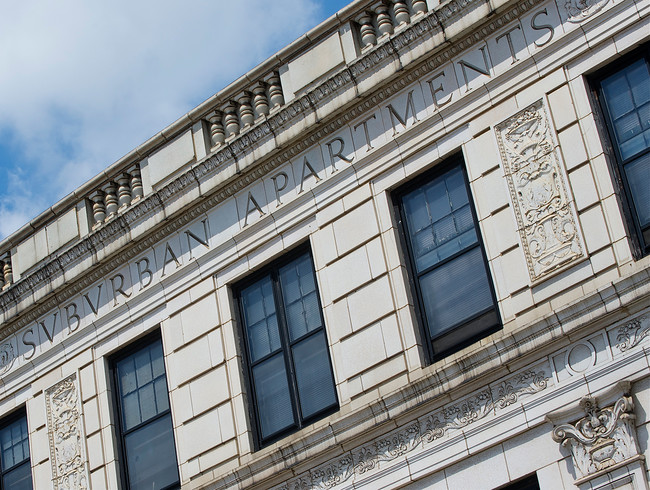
(83,83)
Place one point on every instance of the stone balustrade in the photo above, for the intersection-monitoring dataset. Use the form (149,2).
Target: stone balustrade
(242,111)
(116,195)
(6,273)
(385,17)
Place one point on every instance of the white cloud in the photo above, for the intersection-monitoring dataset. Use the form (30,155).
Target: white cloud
(82,83)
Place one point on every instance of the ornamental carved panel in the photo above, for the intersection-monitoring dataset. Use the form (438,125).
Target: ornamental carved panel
(546,219)
(66,436)
(603,439)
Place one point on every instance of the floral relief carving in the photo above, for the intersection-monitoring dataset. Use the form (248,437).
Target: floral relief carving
(66,435)
(364,460)
(632,334)
(579,10)
(526,383)
(537,183)
(7,357)
(603,438)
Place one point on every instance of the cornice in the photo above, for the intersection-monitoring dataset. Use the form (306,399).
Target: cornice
(148,206)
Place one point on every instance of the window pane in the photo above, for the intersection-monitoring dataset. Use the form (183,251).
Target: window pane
(20,478)
(15,443)
(141,377)
(272,396)
(260,318)
(439,219)
(313,375)
(627,98)
(150,456)
(301,304)
(455,291)
(638,175)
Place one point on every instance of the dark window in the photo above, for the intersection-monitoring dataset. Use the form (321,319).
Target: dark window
(527,483)
(144,418)
(14,445)
(451,282)
(289,369)
(623,91)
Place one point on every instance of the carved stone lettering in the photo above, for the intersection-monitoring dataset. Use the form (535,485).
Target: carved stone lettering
(536,179)
(66,436)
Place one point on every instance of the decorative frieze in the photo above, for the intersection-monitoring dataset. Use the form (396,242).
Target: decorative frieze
(66,435)
(603,439)
(631,334)
(546,218)
(419,435)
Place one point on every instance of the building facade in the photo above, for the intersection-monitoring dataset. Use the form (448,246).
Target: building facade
(411,250)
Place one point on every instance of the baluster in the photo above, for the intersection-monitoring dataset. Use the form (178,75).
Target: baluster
(231,121)
(99,209)
(245,109)
(123,190)
(7,272)
(384,22)
(137,191)
(366,30)
(401,12)
(419,6)
(110,199)
(2,276)
(217,132)
(260,101)
(275,90)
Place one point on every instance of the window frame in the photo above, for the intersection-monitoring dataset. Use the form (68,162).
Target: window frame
(611,149)
(455,160)
(6,421)
(272,269)
(118,356)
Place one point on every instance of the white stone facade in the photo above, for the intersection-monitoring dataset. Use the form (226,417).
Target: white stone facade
(307,150)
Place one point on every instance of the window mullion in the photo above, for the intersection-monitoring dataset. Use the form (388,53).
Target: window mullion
(286,345)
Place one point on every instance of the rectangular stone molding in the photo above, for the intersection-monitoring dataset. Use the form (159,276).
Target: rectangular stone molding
(537,182)
(66,435)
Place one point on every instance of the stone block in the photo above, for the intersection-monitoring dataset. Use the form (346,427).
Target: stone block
(481,155)
(572,146)
(199,318)
(613,217)
(95,451)
(87,381)
(209,390)
(169,159)
(39,446)
(490,193)
(348,273)
(550,477)
(324,246)
(489,464)
(499,232)
(355,227)
(198,435)
(370,303)
(91,416)
(379,374)
(594,229)
(535,441)
(29,252)
(188,362)
(313,64)
(181,404)
(362,350)
(561,105)
(583,187)
(62,231)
